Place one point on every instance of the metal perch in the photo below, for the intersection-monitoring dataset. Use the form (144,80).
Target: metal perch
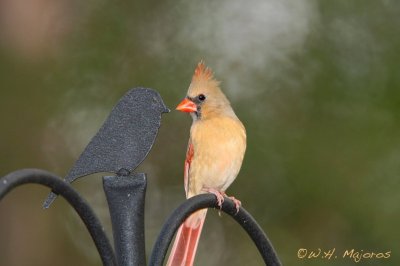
(120,145)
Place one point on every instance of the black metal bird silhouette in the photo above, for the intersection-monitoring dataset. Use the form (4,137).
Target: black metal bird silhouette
(125,138)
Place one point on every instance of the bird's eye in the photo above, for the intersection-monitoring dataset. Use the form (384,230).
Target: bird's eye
(202,97)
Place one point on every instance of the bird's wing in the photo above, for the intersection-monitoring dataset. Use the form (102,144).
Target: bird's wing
(187,238)
(188,160)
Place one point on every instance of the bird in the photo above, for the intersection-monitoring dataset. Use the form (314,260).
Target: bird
(124,140)
(214,156)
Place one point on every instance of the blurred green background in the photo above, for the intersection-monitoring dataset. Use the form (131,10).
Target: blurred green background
(316,83)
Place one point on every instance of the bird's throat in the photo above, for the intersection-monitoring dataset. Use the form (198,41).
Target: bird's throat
(196,115)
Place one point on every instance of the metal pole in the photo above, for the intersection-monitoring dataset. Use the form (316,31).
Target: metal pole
(125,197)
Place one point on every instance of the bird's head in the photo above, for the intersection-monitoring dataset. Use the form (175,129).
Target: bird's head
(204,98)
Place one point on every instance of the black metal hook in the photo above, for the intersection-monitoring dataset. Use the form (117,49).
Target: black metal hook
(133,245)
(202,201)
(85,212)
(119,146)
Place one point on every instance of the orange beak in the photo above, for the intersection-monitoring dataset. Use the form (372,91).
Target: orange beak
(187,106)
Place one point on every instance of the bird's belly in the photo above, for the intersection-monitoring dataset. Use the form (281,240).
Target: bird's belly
(220,173)
(215,166)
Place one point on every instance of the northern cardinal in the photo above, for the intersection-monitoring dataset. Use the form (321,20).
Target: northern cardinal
(214,155)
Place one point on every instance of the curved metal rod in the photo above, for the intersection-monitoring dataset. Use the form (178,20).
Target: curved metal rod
(202,201)
(92,223)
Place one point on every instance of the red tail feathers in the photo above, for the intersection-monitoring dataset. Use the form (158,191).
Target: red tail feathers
(186,240)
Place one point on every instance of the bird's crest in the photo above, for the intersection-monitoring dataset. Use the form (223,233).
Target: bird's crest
(202,73)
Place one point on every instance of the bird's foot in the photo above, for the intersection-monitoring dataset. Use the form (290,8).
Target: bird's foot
(237,202)
(218,194)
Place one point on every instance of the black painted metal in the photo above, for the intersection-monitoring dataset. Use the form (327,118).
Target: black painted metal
(119,147)
(125,197)
(92,223)
(202,201)
(125,138)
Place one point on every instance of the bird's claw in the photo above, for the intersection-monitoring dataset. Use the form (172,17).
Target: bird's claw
(220,198)
(237,202)
(218,194)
